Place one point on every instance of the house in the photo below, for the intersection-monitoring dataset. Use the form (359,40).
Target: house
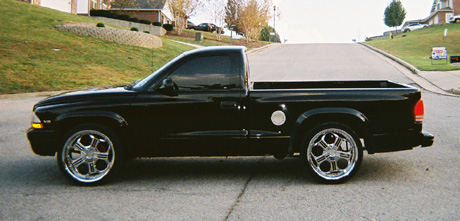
(80,7)
(441,12)
(152,10)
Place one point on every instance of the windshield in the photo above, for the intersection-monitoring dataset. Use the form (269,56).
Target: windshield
(139,85)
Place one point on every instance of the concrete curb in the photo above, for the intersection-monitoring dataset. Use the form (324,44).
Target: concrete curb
(262,48)
(414,70)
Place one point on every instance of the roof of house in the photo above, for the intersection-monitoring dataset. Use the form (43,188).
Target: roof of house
(143,4)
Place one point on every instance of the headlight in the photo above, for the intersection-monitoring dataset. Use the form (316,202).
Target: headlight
(36,123)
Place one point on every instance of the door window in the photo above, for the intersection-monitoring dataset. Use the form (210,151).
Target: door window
(206,73)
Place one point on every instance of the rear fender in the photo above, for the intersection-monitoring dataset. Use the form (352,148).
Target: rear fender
(350,117)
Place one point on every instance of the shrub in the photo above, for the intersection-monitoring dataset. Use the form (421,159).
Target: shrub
(123,17)
(146,32)
(111,15)
(134,29)
(102,13)
(156,23)
(101,25)
(168,27)
(94,12)
(134,19)
(147,22)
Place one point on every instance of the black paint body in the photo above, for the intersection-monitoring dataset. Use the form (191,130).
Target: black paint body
(157,117)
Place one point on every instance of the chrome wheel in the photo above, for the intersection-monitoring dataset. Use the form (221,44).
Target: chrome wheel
(88,155)
(333,152)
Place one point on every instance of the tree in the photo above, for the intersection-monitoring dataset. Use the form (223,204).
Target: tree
(231,15)
(181,10)
(217,13)
(265,35)
(252,16)
(394,14)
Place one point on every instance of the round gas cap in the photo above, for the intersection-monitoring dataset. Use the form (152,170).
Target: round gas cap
(278,118)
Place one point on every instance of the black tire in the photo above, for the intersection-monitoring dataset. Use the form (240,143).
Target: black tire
(90,154)
(331,152)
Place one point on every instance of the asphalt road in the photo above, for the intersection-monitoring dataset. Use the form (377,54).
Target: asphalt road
(419,184)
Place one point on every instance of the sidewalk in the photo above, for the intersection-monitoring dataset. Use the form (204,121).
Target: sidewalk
(446,81)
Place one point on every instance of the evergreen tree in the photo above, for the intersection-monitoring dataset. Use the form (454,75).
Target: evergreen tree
(265,35)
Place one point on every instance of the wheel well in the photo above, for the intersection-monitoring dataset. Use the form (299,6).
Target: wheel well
(68,124)
(349,120)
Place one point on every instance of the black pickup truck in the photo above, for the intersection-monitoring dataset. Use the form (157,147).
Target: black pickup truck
(202,103)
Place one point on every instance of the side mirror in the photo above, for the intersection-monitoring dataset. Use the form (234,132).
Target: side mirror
(167,87)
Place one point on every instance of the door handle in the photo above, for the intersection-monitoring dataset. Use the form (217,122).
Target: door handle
(229,105)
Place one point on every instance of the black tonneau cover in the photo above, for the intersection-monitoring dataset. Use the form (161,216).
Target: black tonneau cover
(326,85)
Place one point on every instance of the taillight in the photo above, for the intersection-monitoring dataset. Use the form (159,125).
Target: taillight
(419,112)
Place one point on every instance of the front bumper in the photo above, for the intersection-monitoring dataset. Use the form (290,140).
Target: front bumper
(43,142)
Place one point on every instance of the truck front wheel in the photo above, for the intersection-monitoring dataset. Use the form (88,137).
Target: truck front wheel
(90,154)
(331,152)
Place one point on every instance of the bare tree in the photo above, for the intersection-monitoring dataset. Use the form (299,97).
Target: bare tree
(217,12)
(181,10)
(231,15)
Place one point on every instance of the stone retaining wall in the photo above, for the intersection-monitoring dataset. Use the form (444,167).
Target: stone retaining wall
(154,30)
(115,35)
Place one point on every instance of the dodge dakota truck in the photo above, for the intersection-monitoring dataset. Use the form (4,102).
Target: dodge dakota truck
(203,103)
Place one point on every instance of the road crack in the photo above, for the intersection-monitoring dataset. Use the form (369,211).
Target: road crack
(243,191)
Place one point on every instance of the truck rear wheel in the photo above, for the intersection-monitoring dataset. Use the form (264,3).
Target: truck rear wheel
(90,154)
(331,152)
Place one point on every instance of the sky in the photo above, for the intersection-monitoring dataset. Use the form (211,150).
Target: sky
(335,21)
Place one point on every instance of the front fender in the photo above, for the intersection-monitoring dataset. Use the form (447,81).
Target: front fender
(114,117)
(310,118)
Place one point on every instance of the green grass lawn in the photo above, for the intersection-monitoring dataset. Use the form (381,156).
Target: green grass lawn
(415,47)
(34,56)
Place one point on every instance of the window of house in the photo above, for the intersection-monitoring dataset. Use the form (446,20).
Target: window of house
(206,73)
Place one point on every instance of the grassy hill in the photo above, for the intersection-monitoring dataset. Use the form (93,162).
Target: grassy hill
(415,47)
(34,56)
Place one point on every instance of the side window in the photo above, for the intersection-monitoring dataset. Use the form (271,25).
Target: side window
(206,73)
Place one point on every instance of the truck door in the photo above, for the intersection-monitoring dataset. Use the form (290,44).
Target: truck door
(201,115)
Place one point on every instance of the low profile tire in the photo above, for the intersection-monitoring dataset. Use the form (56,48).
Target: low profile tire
(90,154)
(331,152)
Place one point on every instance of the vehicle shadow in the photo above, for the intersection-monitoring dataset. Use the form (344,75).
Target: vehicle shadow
(41,172)
(193,169)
